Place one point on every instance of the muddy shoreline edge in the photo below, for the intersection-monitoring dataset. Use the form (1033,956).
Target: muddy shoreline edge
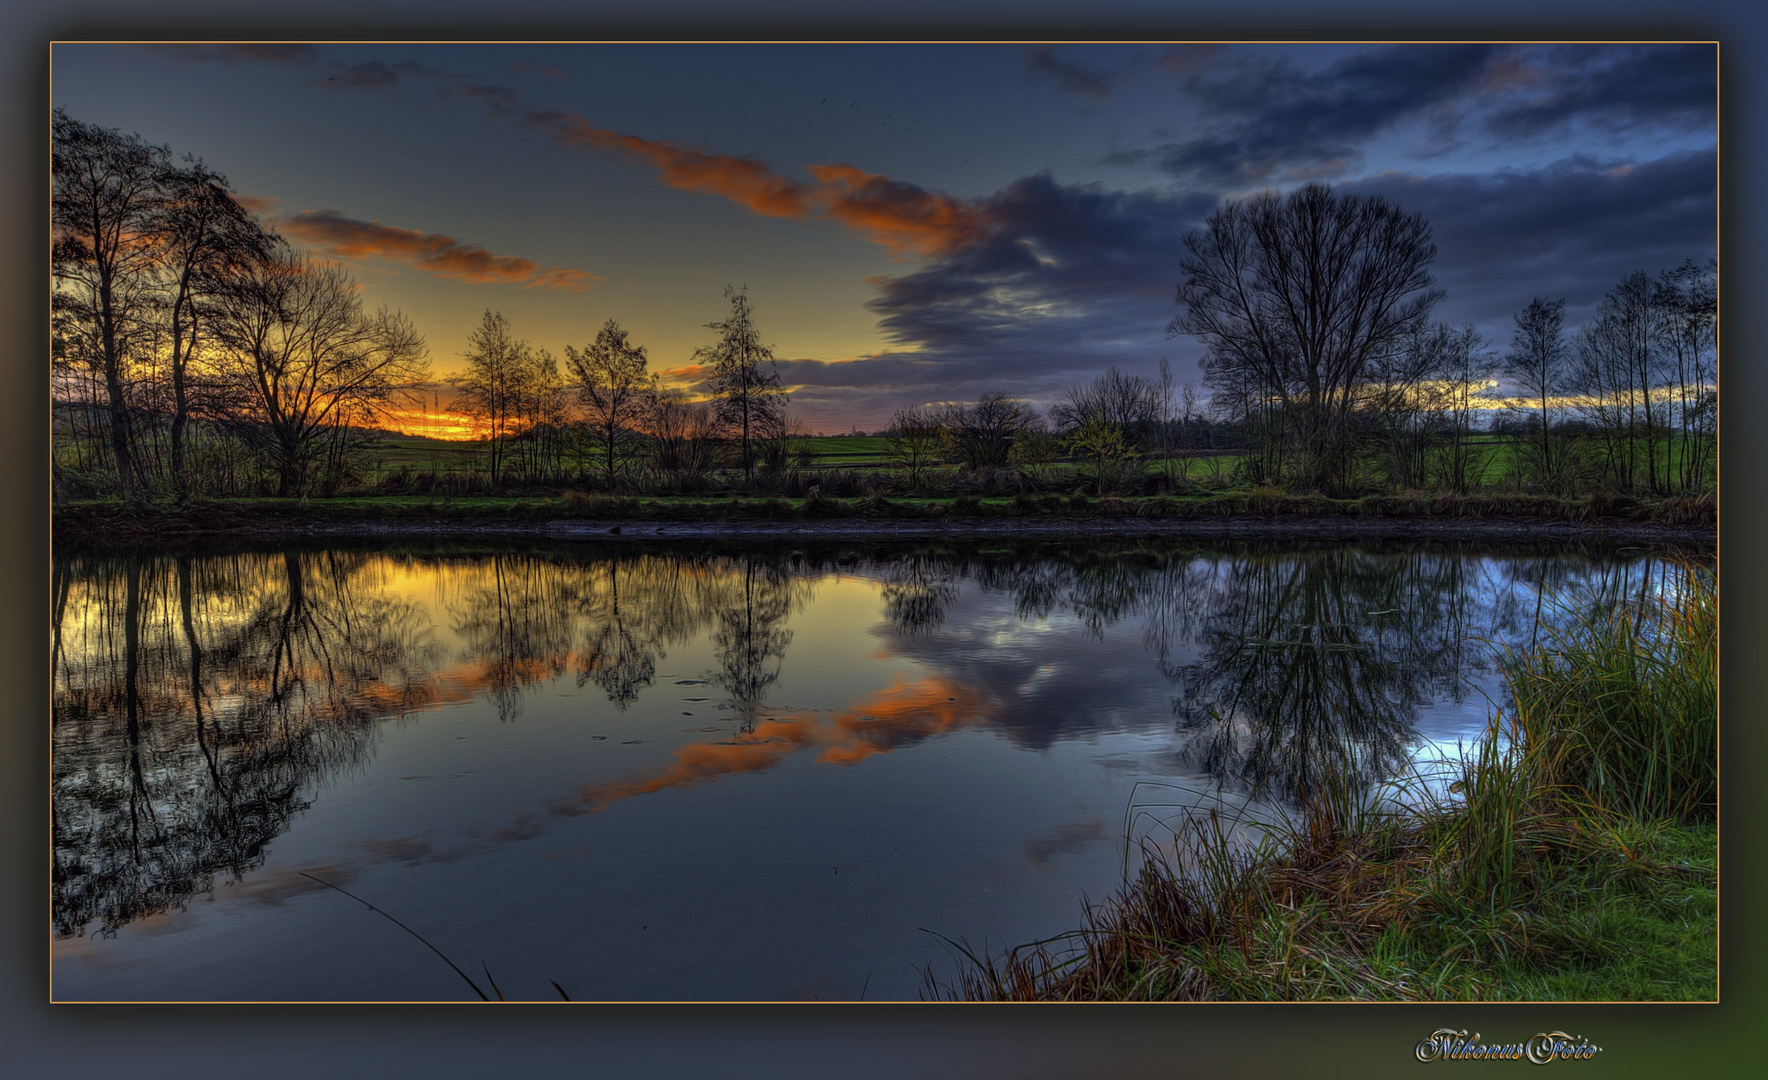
(86,535)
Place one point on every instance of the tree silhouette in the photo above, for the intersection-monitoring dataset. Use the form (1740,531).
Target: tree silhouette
(613,388)
(743,381)
(306,366)
(103,210)
(1293,296)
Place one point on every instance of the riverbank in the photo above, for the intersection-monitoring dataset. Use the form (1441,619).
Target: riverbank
(1681,521)
(1575,857)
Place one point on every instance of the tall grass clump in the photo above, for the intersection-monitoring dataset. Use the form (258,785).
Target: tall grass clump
(1620,705)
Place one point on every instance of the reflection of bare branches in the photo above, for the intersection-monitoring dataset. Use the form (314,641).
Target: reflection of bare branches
(750,635)
(916,592)
(200,701)
(517,620)
(1315,665)
(197,700)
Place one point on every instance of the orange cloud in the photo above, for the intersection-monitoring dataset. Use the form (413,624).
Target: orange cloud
(897,215)
(444,256)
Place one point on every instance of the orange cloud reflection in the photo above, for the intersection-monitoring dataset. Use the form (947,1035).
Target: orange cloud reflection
(906,712)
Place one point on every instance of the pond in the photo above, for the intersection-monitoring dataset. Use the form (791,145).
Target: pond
(707,774)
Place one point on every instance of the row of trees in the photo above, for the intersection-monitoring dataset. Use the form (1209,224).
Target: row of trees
(1314,310)
(523,403)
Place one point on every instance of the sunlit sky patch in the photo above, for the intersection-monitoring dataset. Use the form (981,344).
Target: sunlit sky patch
(915,224)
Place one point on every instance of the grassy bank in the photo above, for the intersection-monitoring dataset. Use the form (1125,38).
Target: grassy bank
(1574,858)
(82,520)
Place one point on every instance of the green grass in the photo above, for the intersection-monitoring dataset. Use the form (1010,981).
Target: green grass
(849,450)
(1576,860)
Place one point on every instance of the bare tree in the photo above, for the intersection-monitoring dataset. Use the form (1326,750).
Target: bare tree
(744,382)
(499,366)
(683,433)
(541,407)
(205,235)
(306,366)
(1399,400)
(106,194)
(1294,295)
(1615,372)
(1129,403)
(1466,379)
(916,443)
(1538,364)
(983,433)
(614,388)
(1688,300)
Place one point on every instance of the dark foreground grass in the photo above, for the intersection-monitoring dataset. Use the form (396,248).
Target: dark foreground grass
(1574,858)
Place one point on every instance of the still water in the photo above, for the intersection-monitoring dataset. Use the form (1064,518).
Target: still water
(687,774)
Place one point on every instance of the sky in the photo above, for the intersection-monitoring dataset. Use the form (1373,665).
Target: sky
(916,224)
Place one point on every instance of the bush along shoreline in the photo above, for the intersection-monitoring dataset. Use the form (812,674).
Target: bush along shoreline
(92,521)
(1573,857)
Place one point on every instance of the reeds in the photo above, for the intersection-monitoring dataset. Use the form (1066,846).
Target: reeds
(1620,707)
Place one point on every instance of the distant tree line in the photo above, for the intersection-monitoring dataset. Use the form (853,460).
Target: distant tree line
(606,421)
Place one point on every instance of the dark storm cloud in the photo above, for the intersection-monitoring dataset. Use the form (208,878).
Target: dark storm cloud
(1268,120)
(1571,229)
(1071,76)
(1068,281)
(1075,279)
(1614,87)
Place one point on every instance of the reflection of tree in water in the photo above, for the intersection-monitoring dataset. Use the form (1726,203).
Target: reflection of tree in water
(635,610)
(199,702)
(515,614)
(917,590)
(196,700)
(1307,662)
(1317,664)
(1099,588)
(749,636)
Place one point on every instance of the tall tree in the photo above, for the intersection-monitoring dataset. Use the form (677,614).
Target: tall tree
(744,382)
(204,235)
(1294,295)
(1616,370)
(493,385)
(1688,300)
(915,443)
(1537,363)
(614,388)
(305,364)
(1403,392)
(106,194)
(983,433)
(1466,379)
